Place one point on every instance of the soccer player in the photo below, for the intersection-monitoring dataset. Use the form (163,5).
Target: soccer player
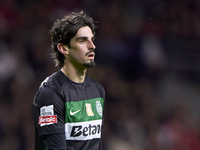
(68,107)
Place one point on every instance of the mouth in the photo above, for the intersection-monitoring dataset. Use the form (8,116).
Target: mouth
(91,55)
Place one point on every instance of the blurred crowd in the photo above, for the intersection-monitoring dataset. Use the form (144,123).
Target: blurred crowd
(147,59)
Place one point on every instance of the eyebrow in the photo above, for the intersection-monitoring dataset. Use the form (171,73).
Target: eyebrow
(84,37)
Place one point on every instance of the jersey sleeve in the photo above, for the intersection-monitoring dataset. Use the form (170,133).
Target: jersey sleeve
(48,109)
(55,142)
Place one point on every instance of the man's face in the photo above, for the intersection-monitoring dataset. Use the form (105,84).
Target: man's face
(81,50)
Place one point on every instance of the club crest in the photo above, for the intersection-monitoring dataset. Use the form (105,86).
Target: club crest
(99,108)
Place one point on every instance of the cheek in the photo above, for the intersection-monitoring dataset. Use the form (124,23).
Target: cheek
(77,56)
(78,52)
(81,53)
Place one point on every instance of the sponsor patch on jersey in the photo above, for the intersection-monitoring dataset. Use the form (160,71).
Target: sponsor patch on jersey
(47,116)
(44,120)
(83,130)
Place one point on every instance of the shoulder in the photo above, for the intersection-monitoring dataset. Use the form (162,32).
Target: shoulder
(50,88)
(52,81)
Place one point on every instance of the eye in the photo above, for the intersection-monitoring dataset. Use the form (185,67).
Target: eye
(81,40)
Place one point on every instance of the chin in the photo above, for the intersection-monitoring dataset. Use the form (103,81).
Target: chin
(89,64)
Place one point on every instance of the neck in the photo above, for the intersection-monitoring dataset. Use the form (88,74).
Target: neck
(74,74)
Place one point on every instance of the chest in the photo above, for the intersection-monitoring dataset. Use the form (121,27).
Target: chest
(83,104)
(85,110)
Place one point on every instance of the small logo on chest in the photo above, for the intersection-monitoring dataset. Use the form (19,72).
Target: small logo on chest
(73,113)
(89,109)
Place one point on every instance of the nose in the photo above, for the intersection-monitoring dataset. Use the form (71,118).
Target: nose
(91,45)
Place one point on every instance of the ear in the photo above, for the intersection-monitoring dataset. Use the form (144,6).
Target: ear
(62,48)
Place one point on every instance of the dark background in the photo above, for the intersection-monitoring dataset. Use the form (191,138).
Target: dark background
(148,60)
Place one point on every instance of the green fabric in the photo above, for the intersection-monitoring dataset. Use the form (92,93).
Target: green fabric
(86,110)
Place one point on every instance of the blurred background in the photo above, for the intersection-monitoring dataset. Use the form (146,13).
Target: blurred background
(148,60)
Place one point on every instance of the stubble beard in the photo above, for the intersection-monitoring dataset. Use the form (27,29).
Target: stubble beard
(89,64)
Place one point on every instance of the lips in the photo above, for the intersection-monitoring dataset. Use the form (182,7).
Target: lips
(91,55)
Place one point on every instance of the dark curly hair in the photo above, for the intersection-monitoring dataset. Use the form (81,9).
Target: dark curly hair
(63,30)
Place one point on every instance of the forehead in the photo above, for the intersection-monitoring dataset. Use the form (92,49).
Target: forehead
(84,31)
